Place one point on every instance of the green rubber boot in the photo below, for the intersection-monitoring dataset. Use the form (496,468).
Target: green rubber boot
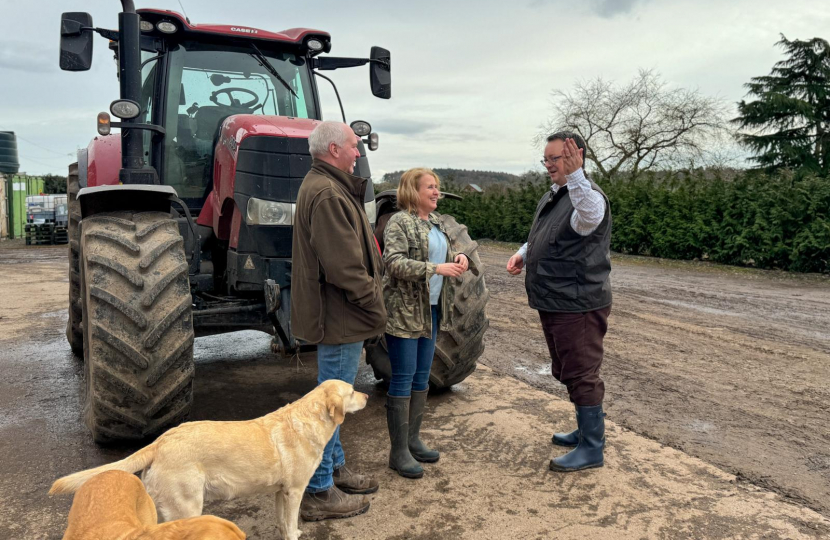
(397,420)
(417,448)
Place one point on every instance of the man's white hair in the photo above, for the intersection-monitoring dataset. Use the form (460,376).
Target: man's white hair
(324,134)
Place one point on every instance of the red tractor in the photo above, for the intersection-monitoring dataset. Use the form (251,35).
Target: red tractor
(180,226)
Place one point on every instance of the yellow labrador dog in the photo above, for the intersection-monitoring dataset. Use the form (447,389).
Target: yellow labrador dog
(200,461)
(115,506)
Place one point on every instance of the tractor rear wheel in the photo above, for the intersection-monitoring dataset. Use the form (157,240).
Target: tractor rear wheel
(138,325)
(74,329)
(456,350)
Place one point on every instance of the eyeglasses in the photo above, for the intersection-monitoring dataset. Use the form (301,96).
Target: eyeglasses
(551,160)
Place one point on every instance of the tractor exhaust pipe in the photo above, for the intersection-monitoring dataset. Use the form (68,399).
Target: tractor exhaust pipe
(129,63)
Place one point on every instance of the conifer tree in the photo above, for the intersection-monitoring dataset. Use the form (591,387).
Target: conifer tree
(788,124)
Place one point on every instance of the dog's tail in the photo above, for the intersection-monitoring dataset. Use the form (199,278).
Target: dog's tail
(131,464)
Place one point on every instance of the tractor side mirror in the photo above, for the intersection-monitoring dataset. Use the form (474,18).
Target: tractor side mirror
(76,41)
(380,73)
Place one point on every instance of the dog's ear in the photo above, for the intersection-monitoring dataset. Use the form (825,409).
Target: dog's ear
(334,404)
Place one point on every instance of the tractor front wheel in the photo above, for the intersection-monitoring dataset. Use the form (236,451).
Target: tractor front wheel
(138,325)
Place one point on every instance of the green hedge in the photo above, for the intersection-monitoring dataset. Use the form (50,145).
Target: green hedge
(750,219)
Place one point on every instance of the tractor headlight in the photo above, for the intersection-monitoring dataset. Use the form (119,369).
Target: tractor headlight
(371,211)
(262,212)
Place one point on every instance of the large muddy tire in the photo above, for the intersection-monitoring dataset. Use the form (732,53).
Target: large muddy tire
(456,350)
(74,328)
(138,325)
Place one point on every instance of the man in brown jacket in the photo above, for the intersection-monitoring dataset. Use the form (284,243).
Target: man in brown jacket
(337,298)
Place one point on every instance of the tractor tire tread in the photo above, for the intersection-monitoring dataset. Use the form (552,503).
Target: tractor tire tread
(139,363)
(74,328)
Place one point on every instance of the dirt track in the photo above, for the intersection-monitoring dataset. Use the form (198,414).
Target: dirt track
(729,365)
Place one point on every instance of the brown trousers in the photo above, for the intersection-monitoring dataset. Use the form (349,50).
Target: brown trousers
(575,345)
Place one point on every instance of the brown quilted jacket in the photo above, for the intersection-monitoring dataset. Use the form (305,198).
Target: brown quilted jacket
(336,267)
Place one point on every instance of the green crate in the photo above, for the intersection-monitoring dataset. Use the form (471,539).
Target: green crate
(60,235)
(39,234)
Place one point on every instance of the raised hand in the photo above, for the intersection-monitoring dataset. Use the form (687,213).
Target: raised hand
(572,158)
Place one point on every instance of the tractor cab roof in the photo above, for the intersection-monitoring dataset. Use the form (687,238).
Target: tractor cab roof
(182,29)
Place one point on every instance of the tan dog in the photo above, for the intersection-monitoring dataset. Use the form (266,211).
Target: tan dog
(115,506)
(200,461)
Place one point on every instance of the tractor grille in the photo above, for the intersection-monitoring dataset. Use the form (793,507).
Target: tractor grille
(272,168)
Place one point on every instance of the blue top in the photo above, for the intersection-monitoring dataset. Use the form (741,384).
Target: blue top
(437,255)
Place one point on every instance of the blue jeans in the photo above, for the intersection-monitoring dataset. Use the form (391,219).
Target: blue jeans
(334,362)
(411,361)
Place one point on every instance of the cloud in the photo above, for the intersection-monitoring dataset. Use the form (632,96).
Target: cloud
(606,9)
(458,99)
(609,8)
(453,135)
(405,127)
(31,57)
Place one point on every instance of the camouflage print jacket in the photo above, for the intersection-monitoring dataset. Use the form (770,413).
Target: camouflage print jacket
(406,281)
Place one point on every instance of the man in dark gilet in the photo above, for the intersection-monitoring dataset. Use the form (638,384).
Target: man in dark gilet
(568,262)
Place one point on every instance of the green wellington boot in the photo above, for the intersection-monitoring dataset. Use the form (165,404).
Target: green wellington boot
(417,448)
(397,420)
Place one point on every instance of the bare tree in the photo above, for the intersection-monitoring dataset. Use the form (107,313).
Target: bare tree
(641,125)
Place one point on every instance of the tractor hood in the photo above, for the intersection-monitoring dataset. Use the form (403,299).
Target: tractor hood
(259,156)
(240,126)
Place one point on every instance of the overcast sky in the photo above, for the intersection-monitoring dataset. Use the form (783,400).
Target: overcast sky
(471,79)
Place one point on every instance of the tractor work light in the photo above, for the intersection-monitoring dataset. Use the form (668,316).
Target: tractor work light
(104,127)
(125,109)
(261,212)
(361,128)
(145,26)
(167,27)
(314,44)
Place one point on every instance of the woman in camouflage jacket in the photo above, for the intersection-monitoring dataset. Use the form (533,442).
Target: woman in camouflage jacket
(418,256)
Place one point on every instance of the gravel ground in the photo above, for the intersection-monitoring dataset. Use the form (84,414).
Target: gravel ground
(730,365)
(725,373)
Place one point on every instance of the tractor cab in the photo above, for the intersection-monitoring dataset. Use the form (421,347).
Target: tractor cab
(204,87)
(194,77)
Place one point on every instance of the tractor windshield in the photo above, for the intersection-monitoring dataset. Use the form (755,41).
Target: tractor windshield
(208,83)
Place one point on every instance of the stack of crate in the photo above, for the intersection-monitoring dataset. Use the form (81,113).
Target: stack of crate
(46,219)
(61,235)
